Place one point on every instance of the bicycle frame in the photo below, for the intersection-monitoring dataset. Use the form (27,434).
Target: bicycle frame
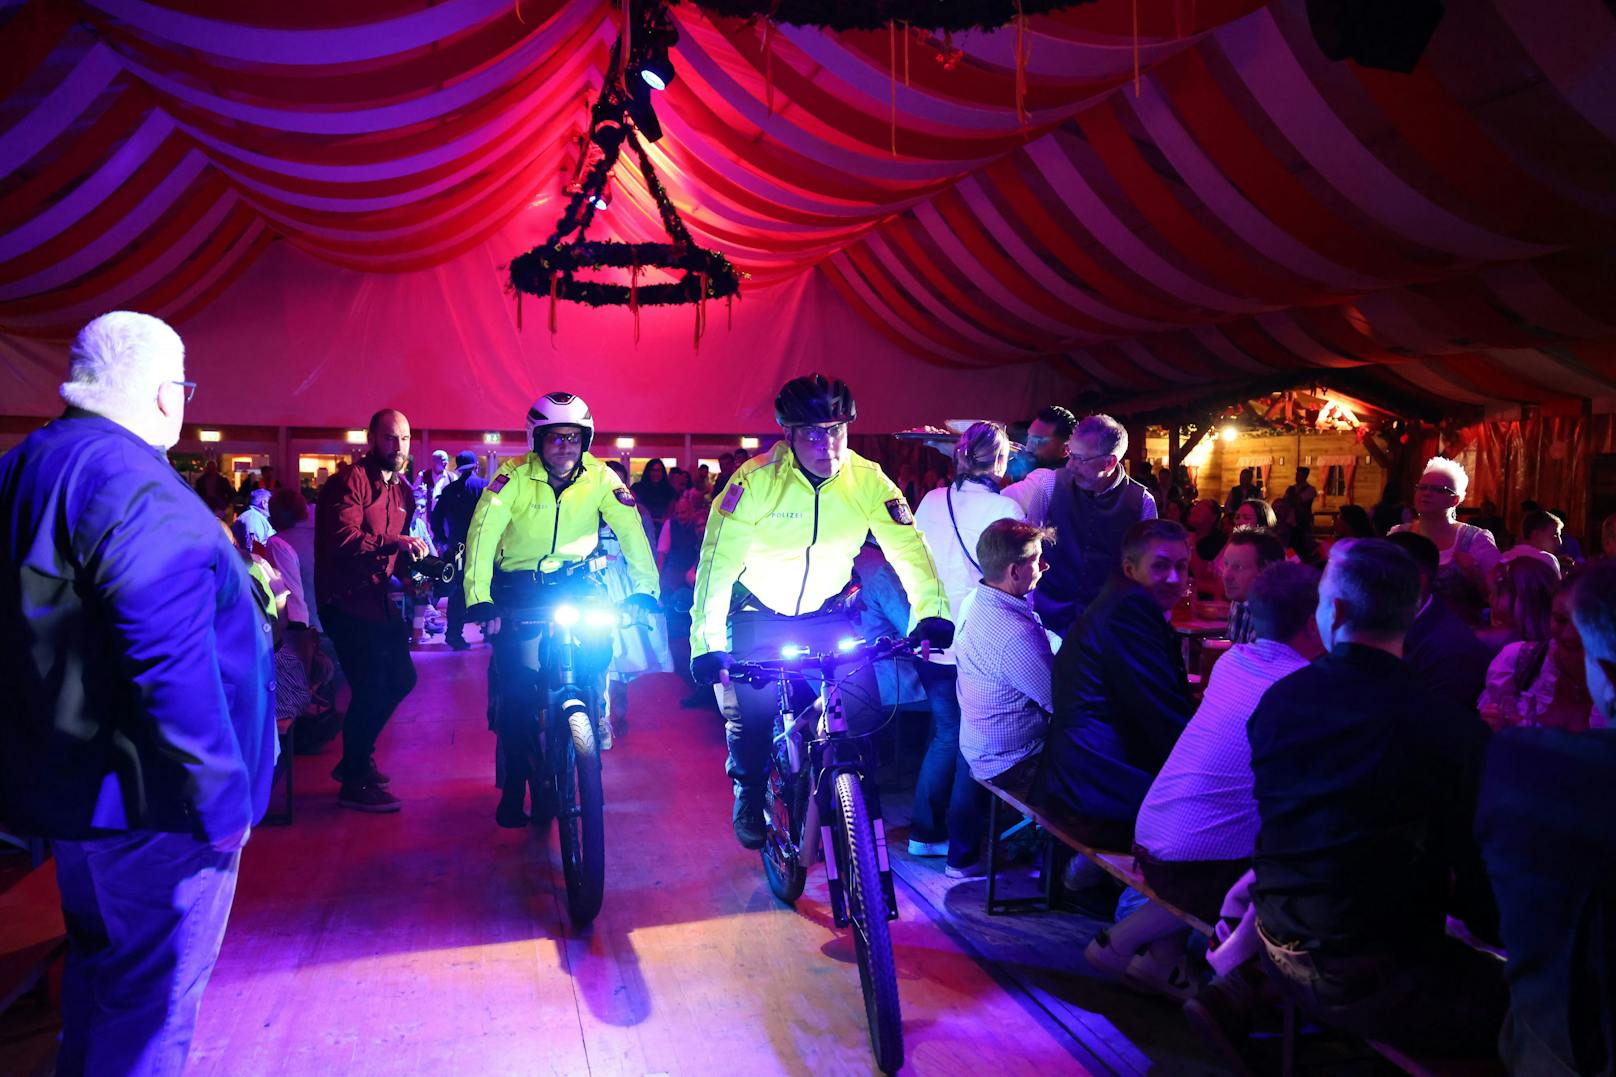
(830,750)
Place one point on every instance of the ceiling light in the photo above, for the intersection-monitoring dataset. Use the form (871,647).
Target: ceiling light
(625,443)
(641,112)
(356,437)
(658,71)
(1230,433)
(749,443)
(209,435)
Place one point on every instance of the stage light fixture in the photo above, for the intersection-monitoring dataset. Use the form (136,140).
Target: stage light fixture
(658,71)
(608,134)
(641,112)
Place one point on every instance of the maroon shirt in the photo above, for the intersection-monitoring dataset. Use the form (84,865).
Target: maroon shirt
(358,522)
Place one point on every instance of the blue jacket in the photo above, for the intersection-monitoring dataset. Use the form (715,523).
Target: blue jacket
(137,667)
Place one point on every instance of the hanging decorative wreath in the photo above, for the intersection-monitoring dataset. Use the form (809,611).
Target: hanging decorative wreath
(551,269)
(954,16)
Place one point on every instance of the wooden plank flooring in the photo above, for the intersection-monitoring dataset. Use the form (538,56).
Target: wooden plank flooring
(432,942)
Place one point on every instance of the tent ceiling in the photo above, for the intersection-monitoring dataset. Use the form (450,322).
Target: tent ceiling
(1246,210)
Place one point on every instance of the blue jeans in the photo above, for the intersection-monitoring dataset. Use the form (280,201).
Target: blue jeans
(145,915)
(948,803)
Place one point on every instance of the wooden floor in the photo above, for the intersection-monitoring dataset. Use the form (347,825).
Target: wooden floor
(433,942)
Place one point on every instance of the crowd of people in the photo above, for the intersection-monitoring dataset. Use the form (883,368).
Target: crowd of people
(1406,729)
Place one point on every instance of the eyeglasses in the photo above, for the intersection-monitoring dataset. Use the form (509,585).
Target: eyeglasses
(1076,459)
(1435,488)
(190,388)
(557,438)
(823,435)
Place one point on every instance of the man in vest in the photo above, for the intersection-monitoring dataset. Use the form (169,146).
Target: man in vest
(776,562)
(1091,503)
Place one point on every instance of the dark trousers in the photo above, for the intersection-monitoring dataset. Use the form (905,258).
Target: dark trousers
(376,657)
(1196,886)
(749,712)
(948,803)
(457,613)
(145,915)
(1447,999)
(514,683)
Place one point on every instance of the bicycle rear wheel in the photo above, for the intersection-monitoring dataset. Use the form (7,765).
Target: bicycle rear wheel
(867,908)
(785,803)
(579,822)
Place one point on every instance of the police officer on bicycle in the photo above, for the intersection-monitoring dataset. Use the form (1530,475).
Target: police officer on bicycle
(546,505)
(775,567)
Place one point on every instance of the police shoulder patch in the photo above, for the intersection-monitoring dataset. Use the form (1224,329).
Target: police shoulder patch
(623,496)
(732,497)
(499,482)
(898,509)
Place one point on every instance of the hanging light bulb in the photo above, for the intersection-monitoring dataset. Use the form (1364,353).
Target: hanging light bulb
(602,199)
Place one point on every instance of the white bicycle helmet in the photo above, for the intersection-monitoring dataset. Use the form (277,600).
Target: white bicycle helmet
(559,409)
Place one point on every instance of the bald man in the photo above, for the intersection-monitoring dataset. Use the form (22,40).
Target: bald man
(360,540)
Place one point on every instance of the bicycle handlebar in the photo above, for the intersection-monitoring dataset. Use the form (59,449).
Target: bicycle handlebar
(761,673)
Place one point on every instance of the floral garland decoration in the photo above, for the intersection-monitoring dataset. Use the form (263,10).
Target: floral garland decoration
(954,16)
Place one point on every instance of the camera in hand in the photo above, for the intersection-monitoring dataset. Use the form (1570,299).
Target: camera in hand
(438,569)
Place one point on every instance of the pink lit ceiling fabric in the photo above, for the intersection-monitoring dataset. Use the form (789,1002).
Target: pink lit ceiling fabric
(1241,208)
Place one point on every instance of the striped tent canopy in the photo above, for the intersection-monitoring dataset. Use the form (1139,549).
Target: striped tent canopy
(1120,199)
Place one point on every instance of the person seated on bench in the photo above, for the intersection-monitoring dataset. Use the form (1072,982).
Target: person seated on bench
(1121,697)
(1446,654)
(1003,658)
(1247,553)
(1366,785)
(1549,839)
(1198,825)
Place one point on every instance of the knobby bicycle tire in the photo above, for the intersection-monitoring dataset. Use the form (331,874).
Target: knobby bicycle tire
(785,797)
(867,907)
(579,823)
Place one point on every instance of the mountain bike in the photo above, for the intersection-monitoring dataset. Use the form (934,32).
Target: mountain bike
(564,608)
(819,794)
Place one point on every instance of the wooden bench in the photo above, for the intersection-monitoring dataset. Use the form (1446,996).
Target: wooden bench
(32,934)
(1120,865)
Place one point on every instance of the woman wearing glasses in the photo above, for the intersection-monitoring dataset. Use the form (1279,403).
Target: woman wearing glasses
(1469,554)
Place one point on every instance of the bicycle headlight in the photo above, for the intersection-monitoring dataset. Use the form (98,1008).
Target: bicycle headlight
(566,616)
(601,619)
(793,650)
(848,644)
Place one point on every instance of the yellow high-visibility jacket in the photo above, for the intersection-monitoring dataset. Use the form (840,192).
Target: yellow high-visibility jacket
(519,521)
(792,546)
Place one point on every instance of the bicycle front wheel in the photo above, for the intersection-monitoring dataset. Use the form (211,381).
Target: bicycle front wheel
(785,803)
(867,908)
(579,822)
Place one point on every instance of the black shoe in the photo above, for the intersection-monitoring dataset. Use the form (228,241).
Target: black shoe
(372,776)
(459,645)
(509,814)
(368,797)
(1221,1013)
(748,818)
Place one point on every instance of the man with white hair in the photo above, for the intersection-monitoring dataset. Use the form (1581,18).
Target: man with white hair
(1091,502)
(1549,839)
(140,738)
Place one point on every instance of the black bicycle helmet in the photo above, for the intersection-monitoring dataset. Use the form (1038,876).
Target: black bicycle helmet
(814,398)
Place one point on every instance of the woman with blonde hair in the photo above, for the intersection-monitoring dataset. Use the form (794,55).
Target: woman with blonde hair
(1469,554)
(948,808)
